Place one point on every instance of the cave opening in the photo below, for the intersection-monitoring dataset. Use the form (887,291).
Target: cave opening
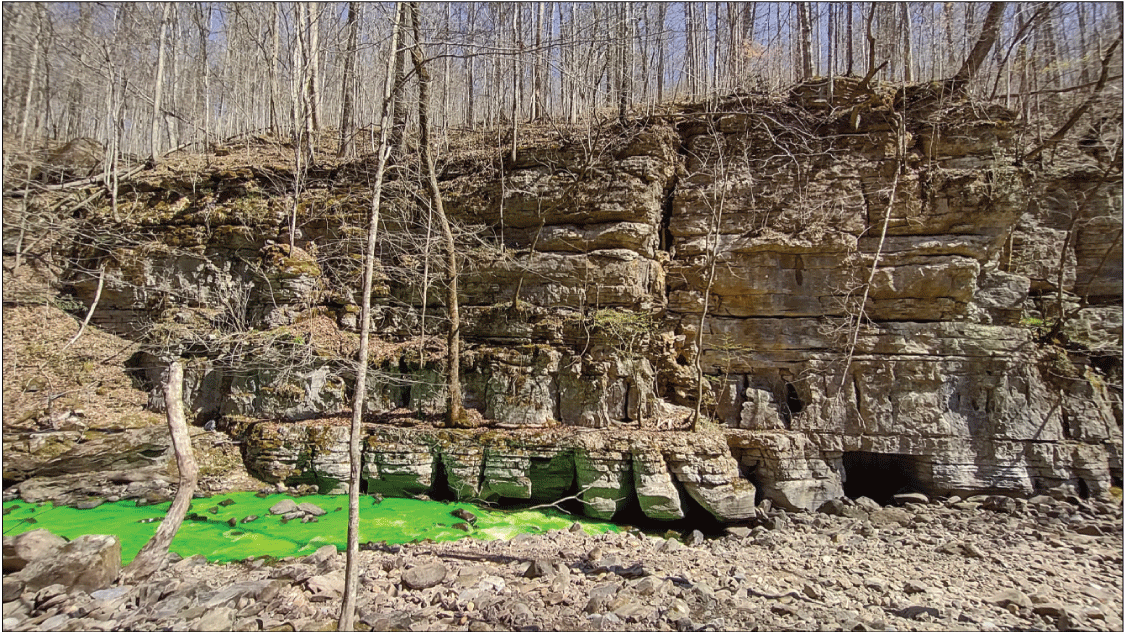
(879,475)
(792,399)
(440,489)
(1083,489)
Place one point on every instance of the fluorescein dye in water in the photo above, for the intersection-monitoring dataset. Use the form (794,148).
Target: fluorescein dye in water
(209,532)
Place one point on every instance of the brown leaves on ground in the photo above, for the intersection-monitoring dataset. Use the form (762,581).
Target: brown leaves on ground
(87,382)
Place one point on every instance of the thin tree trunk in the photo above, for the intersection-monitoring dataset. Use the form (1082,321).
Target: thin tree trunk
(1078,112)
(93,305)
(900,126)
(907,43)
(314,96)
(516,75)
(28,99)
(274,66)
(152,555)
(455,414)
(712,264)
(351,576)
(347,115)
(158,89)
(204,38)
(661,19)
(832,29)
(871,43)
(850,39)
(398,112)
(805,22)
(11,86)
(537,71)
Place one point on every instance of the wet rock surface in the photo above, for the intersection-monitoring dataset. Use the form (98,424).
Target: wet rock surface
(947,564)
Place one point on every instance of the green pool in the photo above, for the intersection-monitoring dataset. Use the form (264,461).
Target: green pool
(394,521)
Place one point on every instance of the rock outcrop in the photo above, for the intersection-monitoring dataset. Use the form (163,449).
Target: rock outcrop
(880,317)
(661,473)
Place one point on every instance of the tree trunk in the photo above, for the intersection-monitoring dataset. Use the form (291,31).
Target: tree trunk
(988,35)
(717,209)
(152,555)
(537,70)
(1080,110)
(470,114)
(661,19)
(351,572)
(850,39)
(158,89)
(347,114)
(314,96)
(398,112)
(907,44)
(871,43)
(516,76)
(805,22)
(28,100)
(274,66)
(455,414)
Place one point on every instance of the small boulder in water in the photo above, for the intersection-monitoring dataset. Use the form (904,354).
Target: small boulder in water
(283,507)
(311,509)
(467,516)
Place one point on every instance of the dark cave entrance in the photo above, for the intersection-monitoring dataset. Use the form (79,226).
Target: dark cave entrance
(879,476)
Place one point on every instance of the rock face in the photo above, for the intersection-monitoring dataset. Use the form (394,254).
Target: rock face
(661,473)
(837,362)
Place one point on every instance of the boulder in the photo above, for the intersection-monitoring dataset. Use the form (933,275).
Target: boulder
(286,506)
(26,547)
(261,590)
(311,509)
(325,587)
(221,618)
(89,563)
(425,575)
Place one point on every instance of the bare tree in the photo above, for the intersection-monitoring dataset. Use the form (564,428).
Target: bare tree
(158,88)
(347,86)
(455,413)
(351,578)
(152,554)
(805,24)
(988,36)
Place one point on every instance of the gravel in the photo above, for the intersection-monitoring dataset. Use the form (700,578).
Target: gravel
(926,566)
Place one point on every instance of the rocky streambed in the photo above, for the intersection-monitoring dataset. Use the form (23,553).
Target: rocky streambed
(982,563)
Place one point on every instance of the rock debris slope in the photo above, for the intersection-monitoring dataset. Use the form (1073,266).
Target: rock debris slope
(986,563)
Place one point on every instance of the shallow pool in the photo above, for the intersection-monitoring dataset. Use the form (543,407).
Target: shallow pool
(394,521)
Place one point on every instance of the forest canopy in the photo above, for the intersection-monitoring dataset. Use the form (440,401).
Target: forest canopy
(146,78)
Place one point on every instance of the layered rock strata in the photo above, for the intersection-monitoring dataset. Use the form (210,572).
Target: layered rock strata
(883,290)
(663,474)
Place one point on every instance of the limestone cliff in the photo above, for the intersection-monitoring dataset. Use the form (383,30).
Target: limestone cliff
(585,275)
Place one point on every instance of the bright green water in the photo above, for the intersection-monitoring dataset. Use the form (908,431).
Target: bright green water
(394,521)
